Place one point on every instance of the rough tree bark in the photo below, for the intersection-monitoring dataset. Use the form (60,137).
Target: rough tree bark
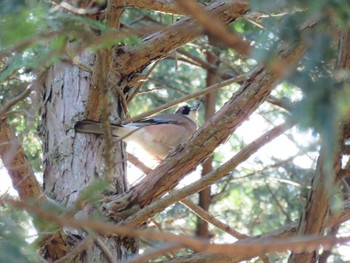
(73,161)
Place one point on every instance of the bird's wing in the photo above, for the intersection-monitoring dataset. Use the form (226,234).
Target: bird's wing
(153,121)
(158,119)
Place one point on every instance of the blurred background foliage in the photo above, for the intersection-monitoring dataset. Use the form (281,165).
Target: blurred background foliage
(264,193)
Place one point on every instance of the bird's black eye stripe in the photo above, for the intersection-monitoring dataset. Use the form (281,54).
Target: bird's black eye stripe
(186,110)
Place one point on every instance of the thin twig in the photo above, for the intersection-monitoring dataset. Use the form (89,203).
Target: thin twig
(9,104)
(278,203)
(153,253)
(140,85)
(75,10)
(196,60)
(206,216)
(74,251)
(105,249)
(167,85)
(16,112)
(185,98)
(136,162)
(123,100)
(282,103)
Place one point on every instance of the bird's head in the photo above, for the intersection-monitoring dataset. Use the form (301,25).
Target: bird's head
(189,112)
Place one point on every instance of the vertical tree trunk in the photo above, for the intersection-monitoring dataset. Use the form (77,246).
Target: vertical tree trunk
(205,195)
(73,161)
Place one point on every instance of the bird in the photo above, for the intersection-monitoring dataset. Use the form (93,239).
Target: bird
(157,135)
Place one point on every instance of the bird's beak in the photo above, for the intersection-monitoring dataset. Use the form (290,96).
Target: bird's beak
(195,107)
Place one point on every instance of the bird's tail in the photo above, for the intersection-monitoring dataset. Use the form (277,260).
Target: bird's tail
(92,127)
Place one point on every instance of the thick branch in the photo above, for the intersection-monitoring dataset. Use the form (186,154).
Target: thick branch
(177,195)
(245,101)
(157,45)
(216,29)
(16,163)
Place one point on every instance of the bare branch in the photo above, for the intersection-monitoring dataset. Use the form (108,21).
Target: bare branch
(135,161)
(161,43)
(217,30)
(148,255)
(205,215)
(188,97)
(286,105)
(105,249)
(17,164)
(9,104)
(103,59)
(139,86)
(75,10)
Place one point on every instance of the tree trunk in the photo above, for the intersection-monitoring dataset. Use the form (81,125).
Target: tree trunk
(73,161)
(210,102)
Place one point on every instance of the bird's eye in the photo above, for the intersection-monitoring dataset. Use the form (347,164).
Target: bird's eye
(186,110)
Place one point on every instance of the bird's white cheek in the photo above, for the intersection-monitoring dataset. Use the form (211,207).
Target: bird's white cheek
(193,116)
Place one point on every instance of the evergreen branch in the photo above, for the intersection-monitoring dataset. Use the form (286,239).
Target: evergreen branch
(246,249)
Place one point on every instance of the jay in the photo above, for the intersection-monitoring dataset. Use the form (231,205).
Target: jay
(157,135)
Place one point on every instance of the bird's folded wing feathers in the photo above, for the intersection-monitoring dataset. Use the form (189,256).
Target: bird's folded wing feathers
(154,121)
